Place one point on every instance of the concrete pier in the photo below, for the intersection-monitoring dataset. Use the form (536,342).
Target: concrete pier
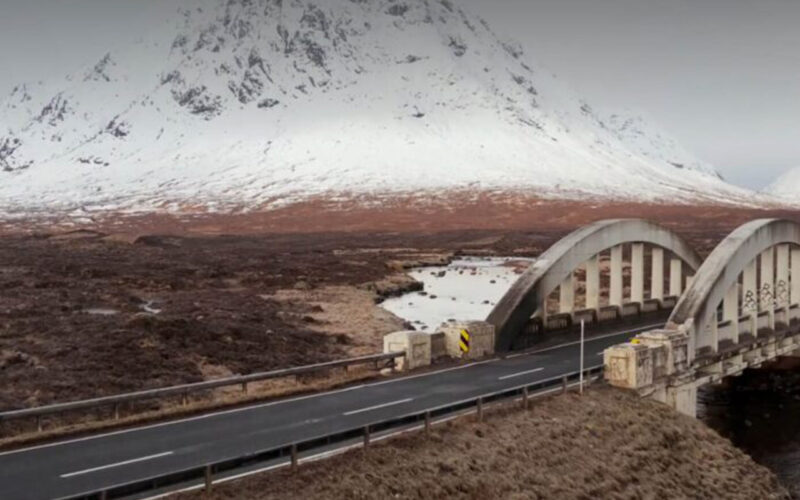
(766,297)
(675,277)
(794,273)
(657,274)
(730,312)
(593,283)
(750,288)
(615,288)
(782,275)
(637,272)
(567,295)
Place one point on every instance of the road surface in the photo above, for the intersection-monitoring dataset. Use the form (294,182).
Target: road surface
(72,467)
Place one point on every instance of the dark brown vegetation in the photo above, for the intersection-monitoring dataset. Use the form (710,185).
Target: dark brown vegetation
(84,315)
(76,308)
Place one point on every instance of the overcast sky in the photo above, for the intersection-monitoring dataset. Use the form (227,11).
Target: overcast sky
(723,76)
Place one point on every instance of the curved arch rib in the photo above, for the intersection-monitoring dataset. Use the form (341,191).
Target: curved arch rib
(522,300)
(721,270)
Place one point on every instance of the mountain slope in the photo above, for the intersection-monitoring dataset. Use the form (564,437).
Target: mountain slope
(786,186)
(252,103)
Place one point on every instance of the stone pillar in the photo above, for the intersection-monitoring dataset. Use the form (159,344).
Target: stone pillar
(479,337)
(730,310)
(637,272)
(657,274)
(750,295)
(794,294)
(615,289)
(416,345)
(766,300)
(782,272)
(713,328)
(750,289)
(675,277)
(593,282)
(566,294)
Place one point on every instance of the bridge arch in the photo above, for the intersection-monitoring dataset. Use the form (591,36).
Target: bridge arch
(765,254)
(556,267)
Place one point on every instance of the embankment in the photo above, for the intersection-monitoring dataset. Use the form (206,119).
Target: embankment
(605,444)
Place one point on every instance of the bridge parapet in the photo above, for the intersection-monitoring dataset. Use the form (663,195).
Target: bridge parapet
(468,340)
(657,363)
(647,360)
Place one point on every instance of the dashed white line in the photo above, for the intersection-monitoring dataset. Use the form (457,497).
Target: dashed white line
(599,337)
(519,374)
(188,419)
(118,464)
(428,374)
(338,451)
(300,398)
(376,407)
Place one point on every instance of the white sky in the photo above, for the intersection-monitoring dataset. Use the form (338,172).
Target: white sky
(723,76)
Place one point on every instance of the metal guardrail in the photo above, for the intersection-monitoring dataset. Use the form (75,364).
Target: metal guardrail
(184,390)
(203,475)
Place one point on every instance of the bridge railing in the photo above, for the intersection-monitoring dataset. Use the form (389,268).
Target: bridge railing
(383,360)
(288,453)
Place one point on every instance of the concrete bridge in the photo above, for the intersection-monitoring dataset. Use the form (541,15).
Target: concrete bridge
(603,255)
(736,310)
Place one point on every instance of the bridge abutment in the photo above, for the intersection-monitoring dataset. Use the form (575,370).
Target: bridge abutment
(658,364)
(682,398)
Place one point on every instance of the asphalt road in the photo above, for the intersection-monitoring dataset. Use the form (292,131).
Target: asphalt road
(71,467)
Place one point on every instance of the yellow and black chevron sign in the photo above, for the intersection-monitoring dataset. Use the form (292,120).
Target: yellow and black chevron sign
(464,342)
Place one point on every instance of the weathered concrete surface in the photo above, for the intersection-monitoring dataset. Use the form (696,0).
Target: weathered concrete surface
(734,255)
(657,364)
(629,366)
(416,345)
(553,266)
(438,345)
(650,357)
(481,339)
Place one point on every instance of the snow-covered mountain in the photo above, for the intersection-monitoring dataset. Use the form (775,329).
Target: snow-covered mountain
(786,186)
(252,103)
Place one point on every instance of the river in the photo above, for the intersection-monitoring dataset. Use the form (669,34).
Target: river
(760,413)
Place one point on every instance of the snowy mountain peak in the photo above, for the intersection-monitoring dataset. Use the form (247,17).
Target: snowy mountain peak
(786,186)
(247,103)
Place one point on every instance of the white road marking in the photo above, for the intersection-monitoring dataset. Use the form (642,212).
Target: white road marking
(300,398)
(180,421)
(314,458)
(338,451)
(118,464)
(376,407)
(427,374)
(519,374)
(601,337)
